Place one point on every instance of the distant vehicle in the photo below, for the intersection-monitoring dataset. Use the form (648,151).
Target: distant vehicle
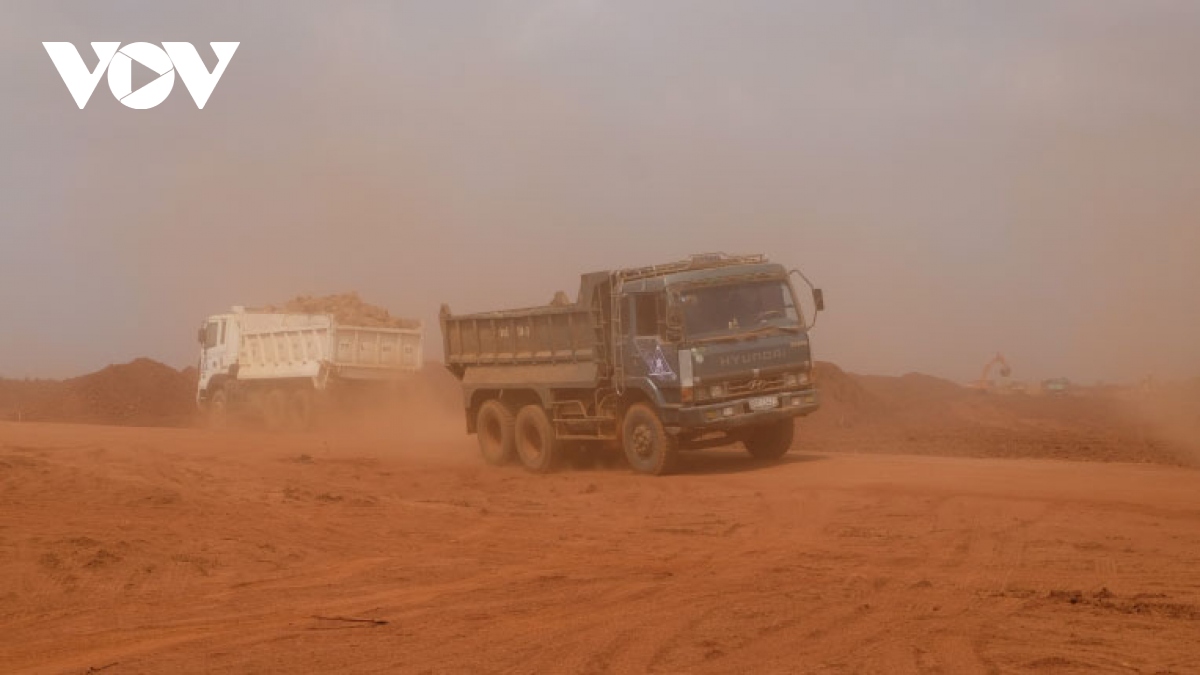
(1056,386)
(652,359)
(276,366)
(985,383)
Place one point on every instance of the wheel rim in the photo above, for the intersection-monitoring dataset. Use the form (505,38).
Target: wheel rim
(643,441)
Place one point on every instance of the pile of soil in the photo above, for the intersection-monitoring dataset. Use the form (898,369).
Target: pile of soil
(845,401)
(143,392)
(914,388)
(347,308)
(920,414)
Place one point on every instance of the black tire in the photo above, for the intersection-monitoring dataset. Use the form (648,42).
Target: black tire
(494,426)
(770,441)
(275,410)
(648,447)
(217,410)
(536,443)
(302,410)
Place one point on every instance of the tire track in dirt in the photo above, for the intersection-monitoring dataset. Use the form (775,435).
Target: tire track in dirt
(847,564)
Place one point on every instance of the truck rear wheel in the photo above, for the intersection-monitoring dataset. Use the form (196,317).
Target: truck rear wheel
(494,426)
(648,446)
(535,439)
(770,441)
(301,410)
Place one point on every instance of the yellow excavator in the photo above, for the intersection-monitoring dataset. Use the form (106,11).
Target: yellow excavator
(984,383)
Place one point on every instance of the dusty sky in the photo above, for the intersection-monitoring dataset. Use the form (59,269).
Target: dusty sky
(961,178)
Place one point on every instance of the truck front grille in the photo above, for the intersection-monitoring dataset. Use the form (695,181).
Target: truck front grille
(752,385)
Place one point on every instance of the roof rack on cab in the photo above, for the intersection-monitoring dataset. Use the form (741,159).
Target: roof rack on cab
(698,261)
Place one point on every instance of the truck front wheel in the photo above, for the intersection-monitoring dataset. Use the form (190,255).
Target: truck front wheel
(494,426)
(648,446)
(217,409)
(536,443)
(770,441)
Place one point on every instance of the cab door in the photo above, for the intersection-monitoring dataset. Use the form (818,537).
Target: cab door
(651,356)
(212,350)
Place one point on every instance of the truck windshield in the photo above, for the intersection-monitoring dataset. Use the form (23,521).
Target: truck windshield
(738,308)
(212,333)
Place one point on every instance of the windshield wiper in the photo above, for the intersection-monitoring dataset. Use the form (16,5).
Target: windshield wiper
(767,327)
(752,333)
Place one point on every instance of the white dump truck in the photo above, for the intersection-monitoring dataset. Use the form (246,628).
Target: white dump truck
(282,368)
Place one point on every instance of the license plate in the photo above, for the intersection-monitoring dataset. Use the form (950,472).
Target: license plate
(764,402)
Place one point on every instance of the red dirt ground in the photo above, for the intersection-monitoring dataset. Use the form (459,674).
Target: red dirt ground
(140,550)
(161,550)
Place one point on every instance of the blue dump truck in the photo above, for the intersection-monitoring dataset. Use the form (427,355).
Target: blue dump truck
(654,360)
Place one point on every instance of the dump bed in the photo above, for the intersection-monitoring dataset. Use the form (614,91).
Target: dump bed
(549,334)
(365,352)
(307,345)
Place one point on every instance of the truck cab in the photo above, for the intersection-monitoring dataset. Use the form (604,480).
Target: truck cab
(655,360)
(219,338)
(724,348)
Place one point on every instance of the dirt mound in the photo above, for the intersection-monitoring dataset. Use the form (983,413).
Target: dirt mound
(913,389)
(850,400)
(143,392)
(347,308)
(845,402)
(920,414)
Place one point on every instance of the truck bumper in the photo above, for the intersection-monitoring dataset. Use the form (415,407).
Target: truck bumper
(737,413)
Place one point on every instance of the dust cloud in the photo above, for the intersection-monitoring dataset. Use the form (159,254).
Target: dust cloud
(1019,179)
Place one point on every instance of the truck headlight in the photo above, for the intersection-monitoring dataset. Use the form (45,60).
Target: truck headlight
(716,391)
(790,380)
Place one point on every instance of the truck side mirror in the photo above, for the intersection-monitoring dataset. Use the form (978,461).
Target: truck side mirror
(817,295)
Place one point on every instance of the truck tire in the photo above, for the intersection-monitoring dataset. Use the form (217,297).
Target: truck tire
(301,410)
(770,441)
(535,440)
(217,410)
(494,427)
(648,447)
(275,410)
